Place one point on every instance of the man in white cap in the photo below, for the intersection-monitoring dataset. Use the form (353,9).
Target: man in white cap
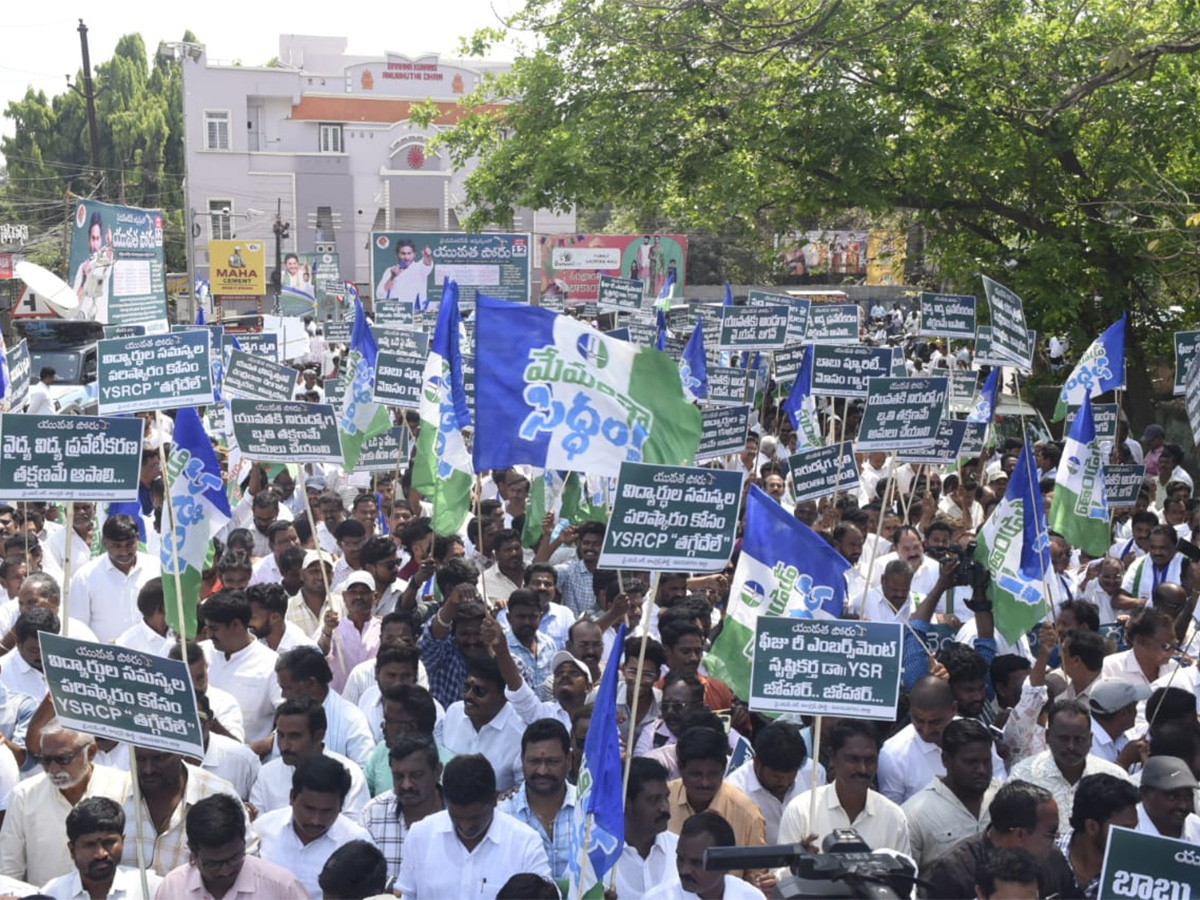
(1168,798)
(311,607)
(572,681)
(1113,702)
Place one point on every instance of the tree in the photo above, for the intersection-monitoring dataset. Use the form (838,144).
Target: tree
(1050,145)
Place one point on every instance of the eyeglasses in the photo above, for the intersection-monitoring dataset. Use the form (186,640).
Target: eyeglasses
(675,705)
(476,690)
(64,760)
(216,865)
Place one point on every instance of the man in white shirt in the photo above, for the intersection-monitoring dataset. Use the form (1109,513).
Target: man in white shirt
(1162,564)
(151,634)
(779,770)
(485,722)
(104,593)
(268,618)
(1114,703)
(41,403)
(241,665)
(281,535)
(80,539)
(648,857)
(908,546)
(300,734)
(699,833)
(228,759)
(408,279)
(1168,795)
(302,836)
(21,667)
(477,847)
(96,841)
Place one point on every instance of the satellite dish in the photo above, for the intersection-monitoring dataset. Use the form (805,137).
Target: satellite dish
(59,295)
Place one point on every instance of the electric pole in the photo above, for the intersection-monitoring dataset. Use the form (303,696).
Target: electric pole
(281,229)
(89,96)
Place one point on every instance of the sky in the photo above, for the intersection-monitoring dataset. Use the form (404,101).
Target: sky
(41,40)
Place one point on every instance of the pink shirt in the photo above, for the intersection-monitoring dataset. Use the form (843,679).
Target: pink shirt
(257,879)
(349,647)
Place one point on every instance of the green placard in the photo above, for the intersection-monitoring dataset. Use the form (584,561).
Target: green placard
(1010,338)
(1148,867)
(124,331)
(398,380)
(901,413)
(1122,484)
(824,471)
(408,343)
(383,452)
(69,457)
(397,314)
(337,332)
(948,315)
(116,263)
(946,446)
(1187,343)
(264,344)
(138,698)
(843,371)
(275,431)
(672,518)
(985,349)
(798,311)
(627,294)
(20,366)
(962,390)
(724,431)
(754,327)
(728,386)
(826,667)
(256,378)
(833,323)
(334,389)
(973,438)
(156,371)
(788,361)
(1105,416)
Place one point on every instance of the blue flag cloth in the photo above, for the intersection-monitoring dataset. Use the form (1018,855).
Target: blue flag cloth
(1100,369)
(1035,548)
(785,569)
(600,793)
(984,409)
(3,370)
(200,315)
(693,366)
(728,294)
(554,393)
(801,390)
(664,296)
(130,508)
(381,514)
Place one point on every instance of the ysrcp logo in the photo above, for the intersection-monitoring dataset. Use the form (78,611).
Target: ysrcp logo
(592,348)
(753,594)
(433,389)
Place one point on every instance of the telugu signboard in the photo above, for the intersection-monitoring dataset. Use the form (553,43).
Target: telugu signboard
(833,323)
(1105,416)
(754,327)
(728,386)
(157,371)
(946,446)
(625,294)
(824,471)
(385,452)
(411,265)
(1187,343)
(139,698)
(826,667)
(274,431)
(69,457)
(255,378)
(1138,865)
(406,343)
(398,380)
(723,432)
(571,265)
(948,316)
(20,367)
(1010,338)
(1122,484)
(798,312)
(843,370)
(986,353)
(672,518)
(264,344)
(116,263)
(902,413)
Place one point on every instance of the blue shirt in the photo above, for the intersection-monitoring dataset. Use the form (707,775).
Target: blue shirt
(558,847)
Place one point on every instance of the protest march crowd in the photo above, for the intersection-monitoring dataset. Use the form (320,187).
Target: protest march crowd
(390,706)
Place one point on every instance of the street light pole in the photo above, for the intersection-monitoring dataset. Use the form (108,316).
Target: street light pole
(281,229)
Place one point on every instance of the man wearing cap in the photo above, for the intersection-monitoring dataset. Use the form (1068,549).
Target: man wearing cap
(311,606)
(572,681)
(1168,798)
(1113,703)
(356,637)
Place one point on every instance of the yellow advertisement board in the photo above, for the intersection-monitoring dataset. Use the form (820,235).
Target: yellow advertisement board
(237,268)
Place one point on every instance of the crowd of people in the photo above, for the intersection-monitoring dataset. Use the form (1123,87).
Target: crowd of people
(390,711)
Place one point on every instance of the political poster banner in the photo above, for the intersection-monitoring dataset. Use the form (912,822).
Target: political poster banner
(414,265)
(264,344)
(946,446)
(1141,865)
(1187,344)
(973,438)
(724,431)
(1010,338)
(69,457)
(986,353)
(672,518)
(254,378)
(312,282)
(406,343)
(729,386)
(902,413)
(844,371)
(116,263)
(834,323)
(334,391)
(398,380)
(277,431)
(754,327)
(570,266)
(824,471)
(237,268)
(157,371)
(1106,416)
(625,294)
(397,314)
(20,370)
(788,361)
(138,698)
(826,668)
(336,332)
(798,308)
(384,452)
(1122,484)
(948,316)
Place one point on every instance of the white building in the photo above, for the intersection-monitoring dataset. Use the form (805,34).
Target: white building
(327,137)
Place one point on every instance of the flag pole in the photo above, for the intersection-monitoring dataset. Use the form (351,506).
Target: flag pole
(138,816)
(887,499)
(647,602)
(479,534)
(68,539)
(170,505)
(816,761)
(583,854)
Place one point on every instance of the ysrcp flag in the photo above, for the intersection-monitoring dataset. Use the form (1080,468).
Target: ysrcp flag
(553,393)
(984,409)
(693,365)
(801,409)
(442,470)
(360,418)
(786,569)
(201,509)
(1014,546)
(1079,511)
(1100,369)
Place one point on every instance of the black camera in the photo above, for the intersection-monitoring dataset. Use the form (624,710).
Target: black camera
(845,868)
(970,572)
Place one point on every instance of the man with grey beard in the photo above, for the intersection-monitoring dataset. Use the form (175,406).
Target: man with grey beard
(33,839)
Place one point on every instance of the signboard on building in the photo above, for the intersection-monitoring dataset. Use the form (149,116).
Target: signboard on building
(408,265)
(237,268)
(570,265)
(116,263)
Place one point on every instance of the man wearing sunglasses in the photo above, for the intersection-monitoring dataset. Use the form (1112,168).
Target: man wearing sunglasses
(379,560)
